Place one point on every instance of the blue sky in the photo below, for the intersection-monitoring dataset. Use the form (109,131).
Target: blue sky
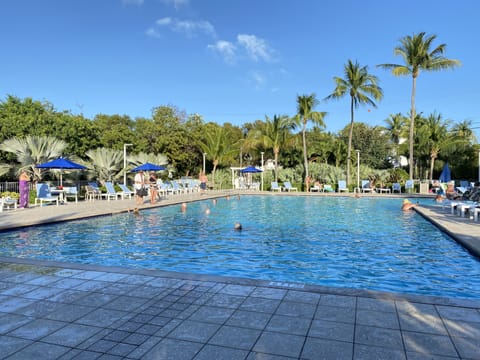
(231,60)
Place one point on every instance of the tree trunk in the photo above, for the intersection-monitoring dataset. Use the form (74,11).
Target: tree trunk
(350,135)
(304,138)
(275,152)
(412,127)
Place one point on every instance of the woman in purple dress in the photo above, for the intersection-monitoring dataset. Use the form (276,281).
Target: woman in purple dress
(24,187)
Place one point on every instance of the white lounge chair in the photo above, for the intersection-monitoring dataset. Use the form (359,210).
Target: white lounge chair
(8,203)
(44,195)
(342,186)
(275,186)
(126,192)
(111,192)
(288,186)
(396,187)
(366,186)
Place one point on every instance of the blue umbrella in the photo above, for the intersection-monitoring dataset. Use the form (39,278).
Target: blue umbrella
(149,167)
(446,175)
(61,164)
(251,169)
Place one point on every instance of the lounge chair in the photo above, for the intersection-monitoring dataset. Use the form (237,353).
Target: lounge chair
(126,192)
(8,203)
(44,194)
(275,187)
(288,186)
(409,186)
(342,186)
(366,186)
(328,188)
(396,187)
(111,193)
(71,192)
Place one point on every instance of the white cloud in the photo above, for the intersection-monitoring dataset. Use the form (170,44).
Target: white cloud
(226,49)
(257,48)
(153,33)
(188,27)
(132,2)
(258,79)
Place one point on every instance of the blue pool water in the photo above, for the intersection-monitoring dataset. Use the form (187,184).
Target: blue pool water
(365,243)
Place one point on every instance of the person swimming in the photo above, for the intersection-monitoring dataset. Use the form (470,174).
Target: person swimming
(237,226)
(407,205)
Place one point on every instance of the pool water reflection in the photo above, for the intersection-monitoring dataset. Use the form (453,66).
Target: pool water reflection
(365,243)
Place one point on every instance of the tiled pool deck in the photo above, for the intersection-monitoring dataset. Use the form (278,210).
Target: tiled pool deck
(51,310)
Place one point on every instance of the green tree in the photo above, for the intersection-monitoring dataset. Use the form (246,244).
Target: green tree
(306,114)
(417,54)
(362,87)
(276,134)
(31,151)
(105,164)
(396,128)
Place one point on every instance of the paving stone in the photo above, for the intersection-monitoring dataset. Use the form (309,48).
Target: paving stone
(173,349)
(122,349)
(279,344)
(40,351)
(111,277)
(147,292)
(226,300)
(136,339)
(125,303)
(9,322)
(37,329)
(117,335)
(260,305)
(18,289)
(239,290)
(422,323)
(210,352)
(302,297)
(376,304)
(337,314)
(240,338)
(42,293)
(14,303)
(212,314)
(249,319)
(88,274)
(468,348)
(136,279)
(326,349)
(289,308)
(92,285)
(269,293)
(417,356)
(457,313)
(332,330)
(465,329)
(68,283)
(101,317)
(43,280)
(166,283)
(67,272)
(95,299)
(429,344)
(289,325)
(67,296)
(375,336)
(377,318)
(262,356)
(338,300)
(71,335)
(39,308)
(194,331)
(102,346)
(119,289)
(9,345)
(365,352)
(69,313)
(142,349)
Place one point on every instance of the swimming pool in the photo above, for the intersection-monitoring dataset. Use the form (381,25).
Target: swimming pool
(365,243)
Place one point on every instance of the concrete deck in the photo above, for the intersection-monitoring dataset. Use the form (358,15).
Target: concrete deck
(52,310)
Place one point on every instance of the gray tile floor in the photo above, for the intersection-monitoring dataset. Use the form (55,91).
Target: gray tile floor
(70,311)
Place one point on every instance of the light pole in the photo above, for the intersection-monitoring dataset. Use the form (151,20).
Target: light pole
(204,154)
(358,168)
(125,163)
(262,171)
(479,166)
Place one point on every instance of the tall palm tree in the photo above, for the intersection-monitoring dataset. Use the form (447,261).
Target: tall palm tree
(363,89)
(34,150)
(305,113)
(417,54)
(464,130)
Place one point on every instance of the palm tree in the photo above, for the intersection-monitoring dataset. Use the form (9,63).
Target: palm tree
(362,87)
(34,150)
(276,134)
(305,113)
(417,55)
(396,126)
(106,164)
(218,147)
(464,130)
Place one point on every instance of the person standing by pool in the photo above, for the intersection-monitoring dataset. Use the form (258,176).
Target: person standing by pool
(153,187)
(24,189)
(139,186)
(203,181)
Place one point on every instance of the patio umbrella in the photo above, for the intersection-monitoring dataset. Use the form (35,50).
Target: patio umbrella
(61,164)
(446,175)
(251,169)
(149,167)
